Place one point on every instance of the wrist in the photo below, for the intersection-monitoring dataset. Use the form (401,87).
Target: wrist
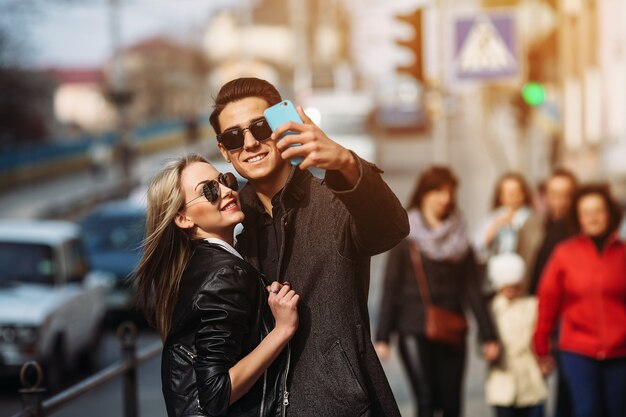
(349,168)
(284,331)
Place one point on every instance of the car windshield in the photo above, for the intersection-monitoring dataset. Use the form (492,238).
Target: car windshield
(114,234)
(26,262)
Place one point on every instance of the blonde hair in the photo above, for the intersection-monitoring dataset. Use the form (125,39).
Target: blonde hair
(166,247)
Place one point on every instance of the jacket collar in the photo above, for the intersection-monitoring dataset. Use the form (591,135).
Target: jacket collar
(612,240)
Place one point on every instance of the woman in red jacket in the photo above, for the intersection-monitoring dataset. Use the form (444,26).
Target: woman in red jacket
(584,288)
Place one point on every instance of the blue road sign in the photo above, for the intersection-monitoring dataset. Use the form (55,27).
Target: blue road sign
(485,47)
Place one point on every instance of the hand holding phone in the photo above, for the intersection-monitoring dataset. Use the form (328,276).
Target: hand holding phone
(281,113)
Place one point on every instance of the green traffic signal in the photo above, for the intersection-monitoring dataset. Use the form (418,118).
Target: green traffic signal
(533,93)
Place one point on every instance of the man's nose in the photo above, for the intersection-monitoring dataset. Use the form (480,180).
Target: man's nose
(249,141)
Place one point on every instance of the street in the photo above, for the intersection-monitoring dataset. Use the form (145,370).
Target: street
(402,158)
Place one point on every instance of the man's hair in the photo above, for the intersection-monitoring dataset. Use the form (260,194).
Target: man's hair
(241,88)
(602,190)
(433,178)
(565,173)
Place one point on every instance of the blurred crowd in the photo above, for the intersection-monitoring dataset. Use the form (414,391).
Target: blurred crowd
(544,275)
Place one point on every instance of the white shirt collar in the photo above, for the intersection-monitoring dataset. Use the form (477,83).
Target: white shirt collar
(224,244)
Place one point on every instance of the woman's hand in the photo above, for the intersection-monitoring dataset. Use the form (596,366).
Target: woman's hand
(491,351)
(283,302)
(546,365)
(383,350)
(502,220)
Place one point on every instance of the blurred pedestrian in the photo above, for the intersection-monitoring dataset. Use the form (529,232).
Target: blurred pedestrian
(512,206)
(446,260)
(584,286)
(515,385)
(210,306)
(126,154)
(537,239)
(540,234)
(100,157)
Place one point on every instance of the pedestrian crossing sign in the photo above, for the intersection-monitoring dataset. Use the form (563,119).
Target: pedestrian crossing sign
(485,47)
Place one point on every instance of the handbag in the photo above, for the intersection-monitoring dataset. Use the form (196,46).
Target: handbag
(440,325)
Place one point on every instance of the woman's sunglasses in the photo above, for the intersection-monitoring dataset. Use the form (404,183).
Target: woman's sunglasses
(211,189)
(233,139)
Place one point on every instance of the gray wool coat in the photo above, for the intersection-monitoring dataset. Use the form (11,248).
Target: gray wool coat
(330,233)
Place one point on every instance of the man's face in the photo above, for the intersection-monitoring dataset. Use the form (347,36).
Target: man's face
(258,160)
(559,192)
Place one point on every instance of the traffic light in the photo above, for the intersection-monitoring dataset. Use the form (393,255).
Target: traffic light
(533,93)
(414,44)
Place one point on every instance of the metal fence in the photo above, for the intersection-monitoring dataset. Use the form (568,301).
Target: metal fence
(34,405)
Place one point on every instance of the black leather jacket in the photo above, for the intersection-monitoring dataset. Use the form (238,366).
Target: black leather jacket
(220,316)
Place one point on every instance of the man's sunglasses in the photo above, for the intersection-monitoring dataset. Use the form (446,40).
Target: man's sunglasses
(233,138)
(211,189)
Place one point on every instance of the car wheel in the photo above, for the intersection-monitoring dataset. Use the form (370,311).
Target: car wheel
(56,366)
(90,357)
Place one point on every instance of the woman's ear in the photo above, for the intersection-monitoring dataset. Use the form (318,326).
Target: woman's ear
(183,221)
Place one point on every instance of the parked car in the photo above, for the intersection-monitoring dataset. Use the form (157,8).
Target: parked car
(113,237)
(51,302)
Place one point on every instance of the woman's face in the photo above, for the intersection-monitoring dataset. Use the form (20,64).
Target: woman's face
(593,215)
(439,201)
(511,194)
(216,219)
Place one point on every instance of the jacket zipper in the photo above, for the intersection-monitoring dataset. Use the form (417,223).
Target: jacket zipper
(187,352)
(283,225)
(284,383)
(262,409)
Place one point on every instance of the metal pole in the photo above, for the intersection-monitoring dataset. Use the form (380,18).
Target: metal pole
(32,394)
(127,333)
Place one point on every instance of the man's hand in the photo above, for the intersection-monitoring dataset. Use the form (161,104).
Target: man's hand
(383,350)
(491,351)
(317,149)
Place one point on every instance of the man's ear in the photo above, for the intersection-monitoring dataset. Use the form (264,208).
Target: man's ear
(183,221)
(224,152)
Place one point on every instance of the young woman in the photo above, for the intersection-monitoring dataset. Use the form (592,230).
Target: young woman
(583,287)
(435,369)
(512,206)
(222,349)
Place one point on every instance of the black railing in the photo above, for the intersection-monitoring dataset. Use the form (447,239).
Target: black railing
(33,404)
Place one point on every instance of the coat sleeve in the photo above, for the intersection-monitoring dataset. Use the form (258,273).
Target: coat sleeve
(477,301)
(378,220)
(549,295)
(225,308)
(391,286)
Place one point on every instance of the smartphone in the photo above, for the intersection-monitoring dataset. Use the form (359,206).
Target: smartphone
(281,113)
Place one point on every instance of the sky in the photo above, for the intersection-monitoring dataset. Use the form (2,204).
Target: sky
(78,34)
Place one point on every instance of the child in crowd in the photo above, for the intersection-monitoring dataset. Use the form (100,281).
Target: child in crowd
(515,385)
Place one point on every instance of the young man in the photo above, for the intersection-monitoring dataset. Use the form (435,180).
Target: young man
(320,236)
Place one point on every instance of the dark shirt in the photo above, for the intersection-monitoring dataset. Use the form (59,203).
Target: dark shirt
(556,232)
(270,237)
(600,241)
